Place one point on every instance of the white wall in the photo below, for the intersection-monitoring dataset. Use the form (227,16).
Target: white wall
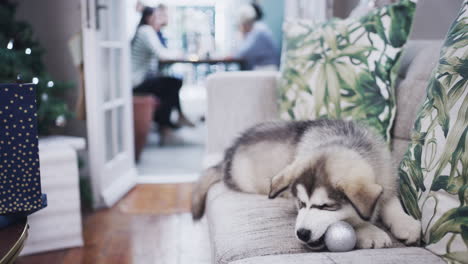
(306,9)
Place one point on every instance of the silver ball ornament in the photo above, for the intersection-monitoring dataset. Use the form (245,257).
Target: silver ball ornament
(61,121)
(340,237)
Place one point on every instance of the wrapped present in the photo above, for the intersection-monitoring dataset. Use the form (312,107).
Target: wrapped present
(20,185)
(6,220)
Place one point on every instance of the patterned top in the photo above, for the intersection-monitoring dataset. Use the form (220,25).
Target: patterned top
(146,51)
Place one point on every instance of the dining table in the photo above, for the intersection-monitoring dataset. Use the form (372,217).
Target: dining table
(195,60)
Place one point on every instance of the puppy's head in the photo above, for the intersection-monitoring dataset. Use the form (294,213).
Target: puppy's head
(335,186)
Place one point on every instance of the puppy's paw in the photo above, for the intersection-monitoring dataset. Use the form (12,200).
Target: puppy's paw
(407,229)
(370,236)
(279,184)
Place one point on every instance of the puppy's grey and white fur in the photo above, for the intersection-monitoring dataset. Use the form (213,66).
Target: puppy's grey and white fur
(334,170)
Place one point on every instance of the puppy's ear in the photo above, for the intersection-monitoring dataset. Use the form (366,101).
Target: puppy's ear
(356,178)
(281,181)
(363,196)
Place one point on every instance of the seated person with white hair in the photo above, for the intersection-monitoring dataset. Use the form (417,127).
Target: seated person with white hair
(258,49)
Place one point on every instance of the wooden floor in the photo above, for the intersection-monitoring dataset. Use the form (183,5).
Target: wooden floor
(150,225)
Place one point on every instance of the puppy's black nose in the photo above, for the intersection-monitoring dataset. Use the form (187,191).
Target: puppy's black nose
(303,234)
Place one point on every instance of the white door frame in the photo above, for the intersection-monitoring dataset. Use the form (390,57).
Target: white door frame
(109,107)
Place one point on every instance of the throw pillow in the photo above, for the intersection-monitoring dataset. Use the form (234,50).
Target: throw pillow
(434,170)
(342,69)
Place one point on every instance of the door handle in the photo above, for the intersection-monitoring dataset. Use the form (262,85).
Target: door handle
(88,17)
(99,7)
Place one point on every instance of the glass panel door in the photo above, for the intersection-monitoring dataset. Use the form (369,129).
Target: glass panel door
(108,100)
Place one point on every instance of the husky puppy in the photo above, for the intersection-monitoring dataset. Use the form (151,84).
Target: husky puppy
(333,170)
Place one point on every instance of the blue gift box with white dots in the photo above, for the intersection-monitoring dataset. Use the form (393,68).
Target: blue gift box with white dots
(20,185)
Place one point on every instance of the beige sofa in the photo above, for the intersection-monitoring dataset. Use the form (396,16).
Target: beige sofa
(246,228)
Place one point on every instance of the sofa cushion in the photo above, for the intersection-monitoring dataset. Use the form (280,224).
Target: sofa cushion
(382,256)
(343,69)
(248,225)
(434,170)
(399,148)
(417,62)
(425,25)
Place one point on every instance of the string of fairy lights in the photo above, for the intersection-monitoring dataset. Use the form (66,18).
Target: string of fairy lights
(61,119)
(28,51)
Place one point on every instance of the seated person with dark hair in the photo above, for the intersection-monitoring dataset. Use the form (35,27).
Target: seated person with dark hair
(147,48)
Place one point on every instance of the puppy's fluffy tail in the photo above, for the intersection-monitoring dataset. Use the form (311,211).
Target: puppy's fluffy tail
(209,177)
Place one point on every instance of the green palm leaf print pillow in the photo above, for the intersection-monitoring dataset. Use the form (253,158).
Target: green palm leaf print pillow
(342,69)
(434,170)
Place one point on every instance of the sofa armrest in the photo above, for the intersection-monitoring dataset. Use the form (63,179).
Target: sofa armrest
(236,101)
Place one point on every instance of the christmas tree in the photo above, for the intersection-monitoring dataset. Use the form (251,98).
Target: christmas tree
(21,61)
